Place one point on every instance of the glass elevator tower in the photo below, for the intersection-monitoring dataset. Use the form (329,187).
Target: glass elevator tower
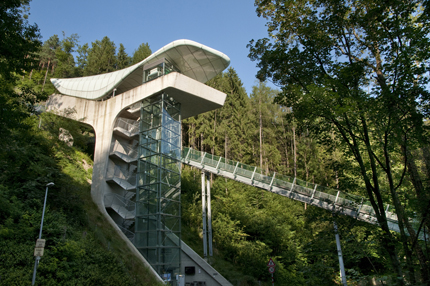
(158,190)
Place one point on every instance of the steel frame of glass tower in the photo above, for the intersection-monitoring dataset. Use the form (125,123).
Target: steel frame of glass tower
(158,189)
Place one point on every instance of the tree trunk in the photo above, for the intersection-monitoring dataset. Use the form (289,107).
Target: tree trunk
(225,145)
(295,151)
(46,74)
(306,165)
(426,155)
(286,146)
(213,137)
(373,191)
(378,204)
(213,142)
(261,136)
(399,211)
(193,141)
(183,140)
(420,191)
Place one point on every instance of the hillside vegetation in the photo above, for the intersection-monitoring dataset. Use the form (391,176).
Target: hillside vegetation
(81,246)
(251,225)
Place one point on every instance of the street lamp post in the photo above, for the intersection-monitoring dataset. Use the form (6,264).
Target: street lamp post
(36,262)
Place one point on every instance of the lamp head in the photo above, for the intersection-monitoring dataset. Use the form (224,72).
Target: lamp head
(50,184)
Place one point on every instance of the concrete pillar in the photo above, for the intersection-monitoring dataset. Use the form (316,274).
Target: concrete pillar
(208,194)
(205,249)
(339,253)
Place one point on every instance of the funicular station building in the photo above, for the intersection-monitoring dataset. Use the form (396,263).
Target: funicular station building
(136,114)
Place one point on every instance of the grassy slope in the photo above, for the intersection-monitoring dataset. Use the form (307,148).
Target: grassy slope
(81,246)
(101,228)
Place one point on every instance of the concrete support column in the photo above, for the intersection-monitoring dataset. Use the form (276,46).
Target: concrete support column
(205,248)
(208,194)
(339,253)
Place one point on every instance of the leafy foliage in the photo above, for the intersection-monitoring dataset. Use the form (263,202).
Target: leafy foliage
(357,69)
(251,225)
(19,41)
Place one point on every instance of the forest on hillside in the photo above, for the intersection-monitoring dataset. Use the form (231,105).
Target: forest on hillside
(252,225)
(81,247)
(350,114)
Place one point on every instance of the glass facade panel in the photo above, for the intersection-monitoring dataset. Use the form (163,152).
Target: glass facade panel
(159,68)
(158,196)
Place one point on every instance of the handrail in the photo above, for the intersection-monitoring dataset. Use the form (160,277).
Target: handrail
(123,148)
(121,173)
(130,125)
(311,190)
(134,107)
(121,202)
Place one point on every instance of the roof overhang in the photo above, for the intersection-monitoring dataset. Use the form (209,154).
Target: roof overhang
(194,60)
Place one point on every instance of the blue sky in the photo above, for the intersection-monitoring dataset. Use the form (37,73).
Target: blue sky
(225,25)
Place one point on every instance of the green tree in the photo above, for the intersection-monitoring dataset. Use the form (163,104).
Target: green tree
(101,57)
(66,66)
(358,68)
(19,42)
(142,52)
(82,58)
(210,130)
(266,114)
(48,55)
(233,125)
(225,131)
(123,60)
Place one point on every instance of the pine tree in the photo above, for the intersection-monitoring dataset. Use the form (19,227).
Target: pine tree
(65,61)
(266,116)
(101,57)
(48,55)
(233,117)
(123,59)
(142,52)
(82,58)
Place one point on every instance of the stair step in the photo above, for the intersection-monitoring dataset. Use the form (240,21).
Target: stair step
(123,157)
(122,183)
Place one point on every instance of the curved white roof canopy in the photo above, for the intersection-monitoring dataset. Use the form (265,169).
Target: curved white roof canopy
(194,60)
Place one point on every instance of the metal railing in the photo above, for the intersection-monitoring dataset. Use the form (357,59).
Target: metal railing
(135,107)
(123,176)
(116,171)
(125,208)
(129,125)
(126,149)
(286,183)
